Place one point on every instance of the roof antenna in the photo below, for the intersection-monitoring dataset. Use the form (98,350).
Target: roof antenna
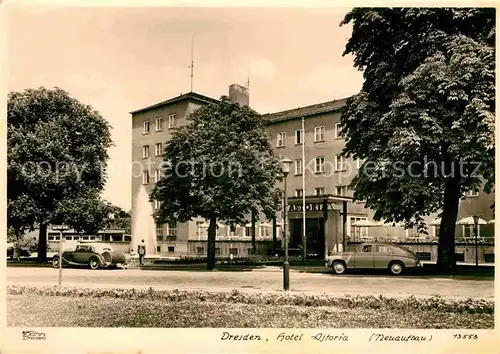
(192,62)
(248,78)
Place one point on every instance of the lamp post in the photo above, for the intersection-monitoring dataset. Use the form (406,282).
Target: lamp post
(285,168)
(60,228)
(476,222)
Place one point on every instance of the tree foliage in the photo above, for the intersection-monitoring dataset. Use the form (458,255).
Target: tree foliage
(220,167)
(57,153)
(424,119)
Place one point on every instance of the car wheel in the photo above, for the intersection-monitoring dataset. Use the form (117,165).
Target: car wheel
(55,262)
(396,268)
(338,267)
(94,263)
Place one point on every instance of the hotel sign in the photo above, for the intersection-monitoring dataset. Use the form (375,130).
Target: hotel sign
(310,207)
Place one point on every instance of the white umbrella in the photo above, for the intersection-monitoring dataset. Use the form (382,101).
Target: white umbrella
(492,221)
(470,221)
(435,222)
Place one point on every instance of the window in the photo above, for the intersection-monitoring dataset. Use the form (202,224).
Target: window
(460,257)
(233,251)
(145,127)
(158,249)
(145,177)
(157,204)
(159,124)
(264,231)
(68,238)
(367,248)
(472,193)
(171,120)
(319,191)
(357,232)
(158,149)
(298,167)
(172,228)
(341,191)
(217,251)
(200,231)
(382,249)
(93,238)
(145,151)
(157,176)
(319,165)
(299,192)
(85,238)
(171,249)
(281,140)
(319,133)
(338,131)
(423,256)
(489,258)
(339,163)
(200,250)
(159,232)
(299,137)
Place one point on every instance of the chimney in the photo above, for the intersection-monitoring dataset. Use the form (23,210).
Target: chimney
(239,94)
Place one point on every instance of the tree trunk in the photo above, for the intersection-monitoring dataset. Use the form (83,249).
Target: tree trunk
(446,246)
(254,246)
(212,232)
(42,243)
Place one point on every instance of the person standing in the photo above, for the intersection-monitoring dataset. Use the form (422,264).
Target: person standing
(141,251)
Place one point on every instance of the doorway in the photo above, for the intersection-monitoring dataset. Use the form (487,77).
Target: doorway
(315,236)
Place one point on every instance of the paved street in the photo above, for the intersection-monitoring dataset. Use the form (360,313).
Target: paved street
(267,279)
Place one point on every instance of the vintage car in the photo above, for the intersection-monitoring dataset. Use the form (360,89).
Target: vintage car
(93,255)
(373,255)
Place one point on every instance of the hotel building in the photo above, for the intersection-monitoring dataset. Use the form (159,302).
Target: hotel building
(330,211)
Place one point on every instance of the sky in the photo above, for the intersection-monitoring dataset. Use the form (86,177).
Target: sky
(121,59)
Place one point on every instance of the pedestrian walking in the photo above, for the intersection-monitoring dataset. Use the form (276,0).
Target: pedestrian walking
(141,251)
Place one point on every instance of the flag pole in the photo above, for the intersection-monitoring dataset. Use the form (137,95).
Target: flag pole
(304,239)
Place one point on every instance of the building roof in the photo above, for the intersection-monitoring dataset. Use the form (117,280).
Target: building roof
(319,108)
(187,96)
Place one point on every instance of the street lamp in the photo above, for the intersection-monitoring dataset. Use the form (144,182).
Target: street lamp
(285,168)
(60,228)
(476,222)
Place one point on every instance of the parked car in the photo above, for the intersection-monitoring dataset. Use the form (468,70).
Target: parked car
(374,255)
(93,255)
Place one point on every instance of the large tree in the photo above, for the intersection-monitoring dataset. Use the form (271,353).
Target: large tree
(57,154)
(424,119)
(220,166)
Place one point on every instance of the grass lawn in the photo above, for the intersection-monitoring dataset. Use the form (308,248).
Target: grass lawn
(36,310)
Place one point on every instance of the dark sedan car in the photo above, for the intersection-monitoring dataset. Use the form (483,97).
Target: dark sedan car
(93,255)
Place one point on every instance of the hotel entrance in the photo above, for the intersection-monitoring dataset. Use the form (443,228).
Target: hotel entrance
(315,236)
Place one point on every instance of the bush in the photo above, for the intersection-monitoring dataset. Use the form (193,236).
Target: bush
(437,303)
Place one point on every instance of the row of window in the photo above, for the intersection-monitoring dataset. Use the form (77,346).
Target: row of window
(340,191)
(319,164)
(319,135)
(158,150)
(146,125)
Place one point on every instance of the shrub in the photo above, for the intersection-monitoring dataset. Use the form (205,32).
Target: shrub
(280,298)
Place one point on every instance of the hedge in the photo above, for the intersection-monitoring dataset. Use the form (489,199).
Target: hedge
(437,303)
